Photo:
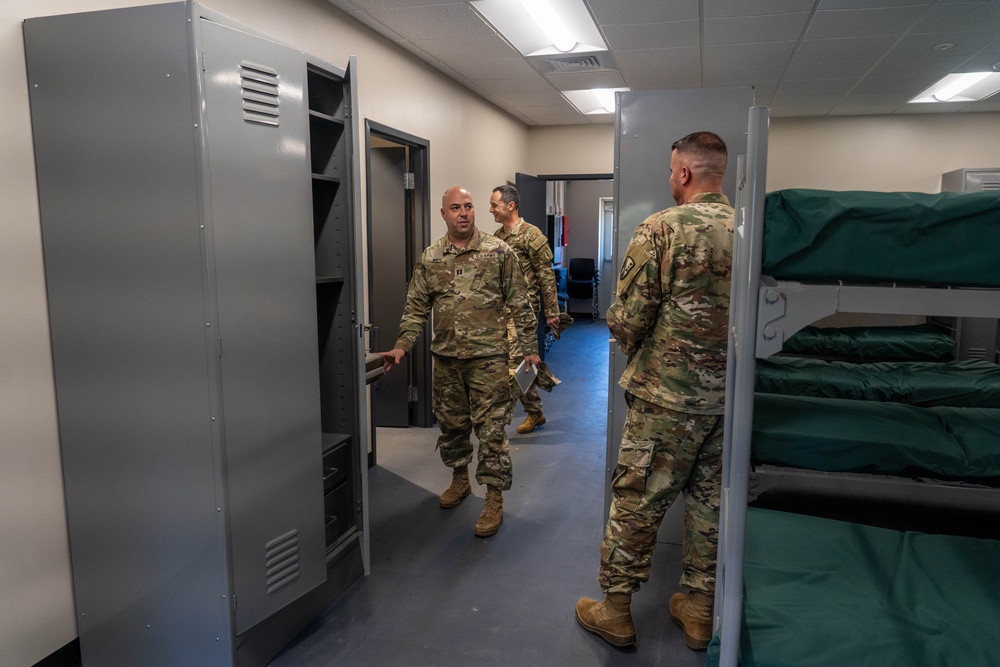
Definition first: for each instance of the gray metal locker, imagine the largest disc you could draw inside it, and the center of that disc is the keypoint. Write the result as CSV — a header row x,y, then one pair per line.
x,y
975,337
196,182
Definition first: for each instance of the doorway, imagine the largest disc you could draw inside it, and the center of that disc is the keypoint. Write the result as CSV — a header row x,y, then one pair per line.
x,y
398,222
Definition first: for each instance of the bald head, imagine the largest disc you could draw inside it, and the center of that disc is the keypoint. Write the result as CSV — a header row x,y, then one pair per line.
x,y
459,215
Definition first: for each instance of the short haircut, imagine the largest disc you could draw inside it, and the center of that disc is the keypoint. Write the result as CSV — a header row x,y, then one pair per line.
x,y
707,150
508,194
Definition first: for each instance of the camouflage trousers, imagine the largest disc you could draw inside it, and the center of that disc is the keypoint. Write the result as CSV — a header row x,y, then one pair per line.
x,y
473,395
663,452
530,399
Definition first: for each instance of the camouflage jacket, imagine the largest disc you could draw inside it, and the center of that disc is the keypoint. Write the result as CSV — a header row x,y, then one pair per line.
x,y
468,290
535,257
671,316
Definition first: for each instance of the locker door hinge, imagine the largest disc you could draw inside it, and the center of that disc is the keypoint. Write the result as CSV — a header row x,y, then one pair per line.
x,y
220,345
409,181
234,601
347,111
411,394
203,67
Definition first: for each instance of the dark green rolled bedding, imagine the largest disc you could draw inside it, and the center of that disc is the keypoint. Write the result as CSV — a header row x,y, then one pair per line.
x,y
824,593
917,342
843,435
969,383
879,237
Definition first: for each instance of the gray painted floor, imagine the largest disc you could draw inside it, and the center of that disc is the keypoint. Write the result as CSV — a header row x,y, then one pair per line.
x,y
439,596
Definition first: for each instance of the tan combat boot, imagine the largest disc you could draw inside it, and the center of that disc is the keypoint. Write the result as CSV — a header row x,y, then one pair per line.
x,y
693,612
458,490
531,422
489,520
611,619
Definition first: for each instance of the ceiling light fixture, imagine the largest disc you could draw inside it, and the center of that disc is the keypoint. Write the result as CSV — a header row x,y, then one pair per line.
x,y
543,27
965,87
550,23
594,100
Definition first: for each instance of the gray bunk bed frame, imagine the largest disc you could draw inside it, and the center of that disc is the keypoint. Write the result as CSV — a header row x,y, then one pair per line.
x,y
764,313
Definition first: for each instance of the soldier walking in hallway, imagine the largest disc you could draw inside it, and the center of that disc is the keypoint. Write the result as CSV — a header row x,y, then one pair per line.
x,y
535,257
472,284
671,319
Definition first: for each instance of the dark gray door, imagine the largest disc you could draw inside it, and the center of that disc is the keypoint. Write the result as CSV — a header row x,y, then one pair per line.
x,y
387,165
260,225
531,192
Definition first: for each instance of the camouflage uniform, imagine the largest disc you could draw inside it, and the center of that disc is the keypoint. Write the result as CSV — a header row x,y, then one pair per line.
x,y
469,291
671,319
535,258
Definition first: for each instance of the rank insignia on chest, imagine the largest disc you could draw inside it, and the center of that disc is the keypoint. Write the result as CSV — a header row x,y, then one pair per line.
x,y
459,272
488,255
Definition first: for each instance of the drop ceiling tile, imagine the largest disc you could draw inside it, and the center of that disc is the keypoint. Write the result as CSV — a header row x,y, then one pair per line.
x,y
844,48
503,87
906,85
653,35
864,22
730,8
377,26
682,58
930,68
542,99
852,69
767,53
617,12
802,105
480,47
862,109
346,5
922,46
442,22
869,4
656,80
989,104
752,29
973,16
562,115
735,74
499,68
815,87
586,80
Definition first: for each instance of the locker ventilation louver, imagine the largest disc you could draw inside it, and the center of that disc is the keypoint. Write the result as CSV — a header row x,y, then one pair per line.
x,y
281,559
259,87
991,185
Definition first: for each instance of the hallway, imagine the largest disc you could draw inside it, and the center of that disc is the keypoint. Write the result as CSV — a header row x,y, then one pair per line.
x,y
439,596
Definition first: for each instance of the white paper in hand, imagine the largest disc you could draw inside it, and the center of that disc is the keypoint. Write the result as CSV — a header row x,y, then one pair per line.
x,y
525,375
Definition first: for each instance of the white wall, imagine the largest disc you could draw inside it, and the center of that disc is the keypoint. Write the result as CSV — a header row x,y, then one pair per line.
x,y
471,143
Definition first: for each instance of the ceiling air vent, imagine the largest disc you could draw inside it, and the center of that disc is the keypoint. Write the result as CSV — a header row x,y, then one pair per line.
x,y
575,63
599,61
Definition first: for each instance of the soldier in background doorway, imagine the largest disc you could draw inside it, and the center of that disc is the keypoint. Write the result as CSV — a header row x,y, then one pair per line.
x,y
473,285
535,257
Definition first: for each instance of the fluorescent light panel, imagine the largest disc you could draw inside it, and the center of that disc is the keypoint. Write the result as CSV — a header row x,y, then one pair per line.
x,y
543,27
966,87
593,101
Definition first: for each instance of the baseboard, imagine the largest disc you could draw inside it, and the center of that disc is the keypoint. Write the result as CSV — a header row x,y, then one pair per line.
x,y
67,656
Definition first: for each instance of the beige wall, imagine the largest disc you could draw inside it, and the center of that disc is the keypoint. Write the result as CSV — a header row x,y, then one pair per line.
x,y
471,143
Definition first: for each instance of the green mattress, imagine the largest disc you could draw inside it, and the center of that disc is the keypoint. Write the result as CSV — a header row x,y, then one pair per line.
x,y
880,237
843,435
825,593
970,383
917,342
